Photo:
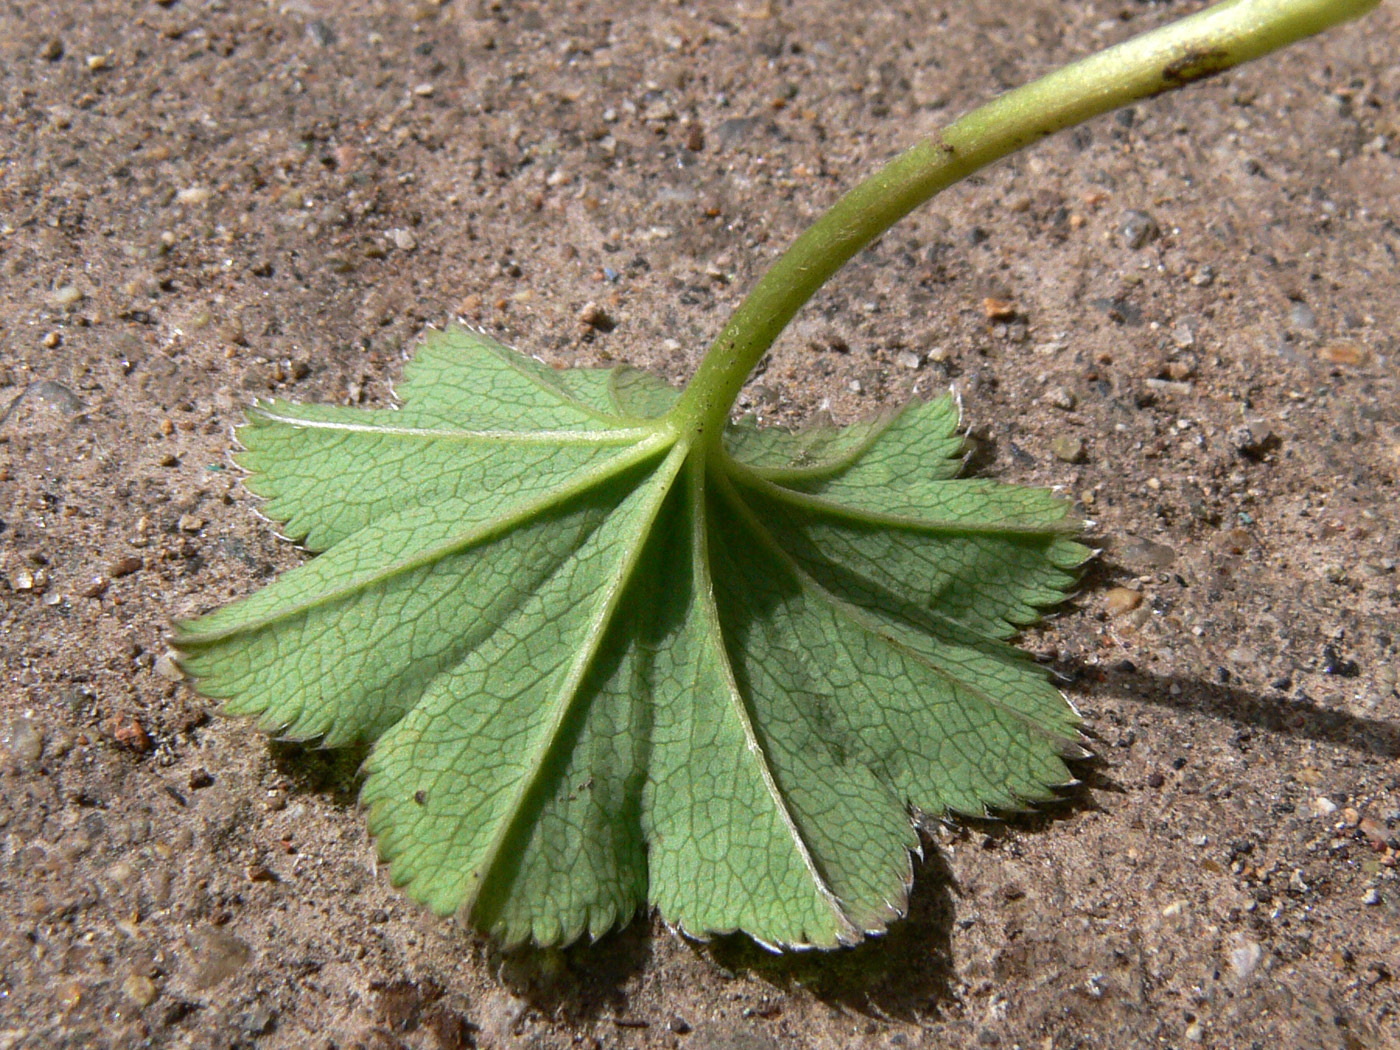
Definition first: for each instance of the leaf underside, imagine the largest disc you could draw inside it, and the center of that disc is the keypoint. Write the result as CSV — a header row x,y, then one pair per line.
x,y
601,668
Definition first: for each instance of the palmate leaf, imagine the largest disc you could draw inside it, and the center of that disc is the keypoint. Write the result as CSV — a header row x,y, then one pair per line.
x,y
602,667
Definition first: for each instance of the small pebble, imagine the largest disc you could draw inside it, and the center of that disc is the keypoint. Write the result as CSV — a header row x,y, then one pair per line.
x,y
1067,449
1183,335
97,63
321,34
736,131
257,1021
998,309
25,742
1372,897
423,90
159,882
96,587
596,317
1333,662
1324,807
1245,957
1167,386
167,667
403,240
124,566
1374,831
27,580
1343,354
218,955
1120,600
1180,369
1253,439
65,296
140,989
1301,316
1060,397
121,872
1194,1032
132,735
52,50
1136,228
908,359
191,523
52,340
192,195
1144,554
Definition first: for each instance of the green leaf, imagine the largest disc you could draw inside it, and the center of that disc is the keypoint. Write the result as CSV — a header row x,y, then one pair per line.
x,y
604,664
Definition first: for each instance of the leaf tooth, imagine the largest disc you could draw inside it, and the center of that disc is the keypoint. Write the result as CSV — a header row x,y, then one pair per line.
x,y
1074,750
601,921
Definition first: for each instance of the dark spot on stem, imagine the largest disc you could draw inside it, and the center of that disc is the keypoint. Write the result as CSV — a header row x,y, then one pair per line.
x,y
1195,65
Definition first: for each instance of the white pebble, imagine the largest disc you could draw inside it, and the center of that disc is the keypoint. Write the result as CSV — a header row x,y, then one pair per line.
x,y
24,742
1245,957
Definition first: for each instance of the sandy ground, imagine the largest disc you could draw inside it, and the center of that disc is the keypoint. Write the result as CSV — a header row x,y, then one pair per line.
x,y
206,201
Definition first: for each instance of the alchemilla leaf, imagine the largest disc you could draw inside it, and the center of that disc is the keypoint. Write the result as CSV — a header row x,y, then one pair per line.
x,y
604,664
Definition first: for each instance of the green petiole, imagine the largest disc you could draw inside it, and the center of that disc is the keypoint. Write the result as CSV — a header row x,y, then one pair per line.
x,y
1164,59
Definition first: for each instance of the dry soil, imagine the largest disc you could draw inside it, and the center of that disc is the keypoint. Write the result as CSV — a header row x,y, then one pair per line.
x,y
1184,314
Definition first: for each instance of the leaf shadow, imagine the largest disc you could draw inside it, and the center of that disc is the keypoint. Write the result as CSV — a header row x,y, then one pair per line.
x,y
1296,716
909,972
905,974
310,769
1275,711
586,981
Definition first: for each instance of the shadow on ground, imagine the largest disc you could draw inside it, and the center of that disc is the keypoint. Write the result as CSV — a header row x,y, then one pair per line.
x,y
1298,715
907,973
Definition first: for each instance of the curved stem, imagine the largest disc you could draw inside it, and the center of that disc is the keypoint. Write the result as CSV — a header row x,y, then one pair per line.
x,y
1155,62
